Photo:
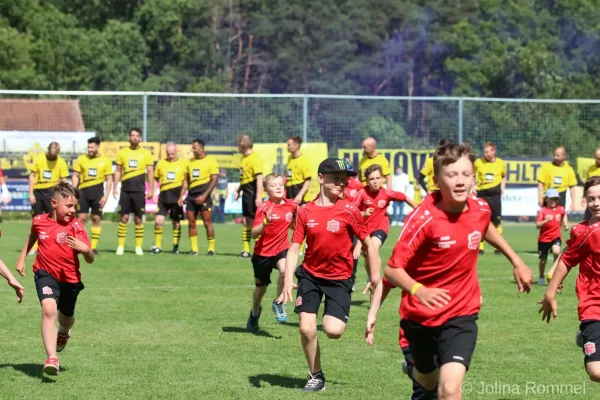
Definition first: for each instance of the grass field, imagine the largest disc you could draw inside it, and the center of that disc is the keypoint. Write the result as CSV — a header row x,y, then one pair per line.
x,y
166,326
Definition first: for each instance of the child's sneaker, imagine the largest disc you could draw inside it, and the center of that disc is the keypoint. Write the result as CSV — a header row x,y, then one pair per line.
x,y
315,383
139,251
51,366
120,251
280,314
541,281
61,341
252,323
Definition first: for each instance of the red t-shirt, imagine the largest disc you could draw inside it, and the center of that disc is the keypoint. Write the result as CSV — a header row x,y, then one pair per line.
x,y
352,188
380,202
274,238
328,232
585,251
54,254
551,230
440,250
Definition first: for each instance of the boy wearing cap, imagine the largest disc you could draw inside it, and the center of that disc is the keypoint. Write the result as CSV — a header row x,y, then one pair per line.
x,y
328,224
548,222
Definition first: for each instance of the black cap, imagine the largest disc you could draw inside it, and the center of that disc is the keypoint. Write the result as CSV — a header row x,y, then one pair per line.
x,y
331,165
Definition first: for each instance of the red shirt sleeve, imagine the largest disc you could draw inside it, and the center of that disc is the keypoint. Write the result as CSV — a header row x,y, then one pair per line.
x,y
299,228
359,198
260,215
398,196
357,223
387,283
413,236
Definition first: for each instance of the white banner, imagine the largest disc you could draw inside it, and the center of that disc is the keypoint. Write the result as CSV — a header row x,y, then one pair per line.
x,y
23,142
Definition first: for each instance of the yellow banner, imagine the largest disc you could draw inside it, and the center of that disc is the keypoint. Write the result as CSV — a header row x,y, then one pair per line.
x,y
110,149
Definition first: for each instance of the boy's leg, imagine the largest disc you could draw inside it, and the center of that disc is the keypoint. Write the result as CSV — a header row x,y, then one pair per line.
x,y
49,334
590,335
310,344
262,278
452,376
423,347
279,309
337,308
418,392
543,249
66,312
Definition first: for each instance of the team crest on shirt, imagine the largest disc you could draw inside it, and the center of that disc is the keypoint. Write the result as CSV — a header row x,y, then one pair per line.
x,y
333,226
289,216
61,238
382,203
589,348
474,239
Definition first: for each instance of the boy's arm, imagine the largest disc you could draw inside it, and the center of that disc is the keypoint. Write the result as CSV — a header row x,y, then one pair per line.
x,y
565,221
12,282
374,262
288,279
20,268
261,221
522,273
548,304
411,203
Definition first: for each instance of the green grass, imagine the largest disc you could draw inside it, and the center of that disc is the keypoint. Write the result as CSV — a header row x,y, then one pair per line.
x,y
165,326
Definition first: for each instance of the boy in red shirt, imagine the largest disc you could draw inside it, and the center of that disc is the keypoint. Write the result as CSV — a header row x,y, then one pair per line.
x,y
328,224
435,263
61,238
271,225
548,222
585,251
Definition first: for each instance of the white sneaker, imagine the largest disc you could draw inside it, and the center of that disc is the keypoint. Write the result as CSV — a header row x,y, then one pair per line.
x,y
542,281
139,251
394,223
400,223
120,251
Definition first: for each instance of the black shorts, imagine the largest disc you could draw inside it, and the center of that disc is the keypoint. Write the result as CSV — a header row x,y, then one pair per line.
x,y
292,191
495,202
42,201
311,290
418,392
545,247
190,203
65,294
432,347
263,266
132,202
563,198
249,200
379,234
90,199
590,334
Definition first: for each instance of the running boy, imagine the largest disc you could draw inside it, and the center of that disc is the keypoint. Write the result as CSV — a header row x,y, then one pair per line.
x,y
328,224
271,225
548,222
434,262
583,251
56,268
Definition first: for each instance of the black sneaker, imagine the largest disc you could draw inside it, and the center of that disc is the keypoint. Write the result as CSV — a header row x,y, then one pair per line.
x,y
252,324
210,253
315,383
481,252
497,252
96,252
156,250
244,254
175,250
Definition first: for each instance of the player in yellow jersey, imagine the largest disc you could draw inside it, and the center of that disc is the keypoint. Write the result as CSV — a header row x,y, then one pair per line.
x,y
490,180
251,183
426,174
370,157
91,171
593,170
200,181
133,163
298,172
558,175
47,171
170,174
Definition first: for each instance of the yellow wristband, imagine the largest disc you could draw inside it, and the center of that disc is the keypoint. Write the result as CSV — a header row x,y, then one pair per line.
x,y
415,288
549,276
265,222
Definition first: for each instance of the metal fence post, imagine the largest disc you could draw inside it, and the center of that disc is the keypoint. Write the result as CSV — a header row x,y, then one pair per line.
x,y
305,118
460,120
145,118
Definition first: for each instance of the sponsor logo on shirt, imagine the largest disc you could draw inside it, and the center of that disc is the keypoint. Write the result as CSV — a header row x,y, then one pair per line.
x,y
289,216
92,172
333,226
474,239
589,348
170,176
275,217
133,163
61,238
195,173
445,242
557,180
312,223
489,177
289,174
47,174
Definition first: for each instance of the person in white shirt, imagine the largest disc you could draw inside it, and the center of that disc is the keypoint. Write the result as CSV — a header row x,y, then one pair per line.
x,y
400,183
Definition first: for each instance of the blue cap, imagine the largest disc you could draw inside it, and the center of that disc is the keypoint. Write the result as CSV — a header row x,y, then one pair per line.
x,y
552,193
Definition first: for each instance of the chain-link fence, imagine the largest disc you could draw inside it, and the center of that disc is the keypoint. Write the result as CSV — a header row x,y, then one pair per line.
x,y
520,128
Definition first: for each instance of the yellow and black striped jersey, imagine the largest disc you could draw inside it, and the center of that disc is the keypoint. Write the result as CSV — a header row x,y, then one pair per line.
x,y
48,172
133,168
365,162
250,166
170,174
489,175
200,170
92,171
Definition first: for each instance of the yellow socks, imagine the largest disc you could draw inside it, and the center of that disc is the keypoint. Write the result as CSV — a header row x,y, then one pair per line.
x,y
121,234
95,236
246,236
499,228
176,236
194,243
139,236
211,244
158,234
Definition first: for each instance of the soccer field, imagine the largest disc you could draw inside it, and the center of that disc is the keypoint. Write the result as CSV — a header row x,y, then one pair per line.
x,y
166,326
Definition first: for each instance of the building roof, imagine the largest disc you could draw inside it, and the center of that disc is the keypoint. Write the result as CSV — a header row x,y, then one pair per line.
x,y
40,115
